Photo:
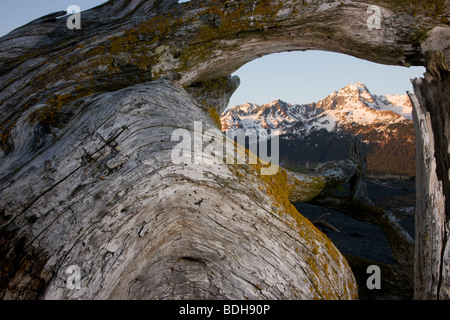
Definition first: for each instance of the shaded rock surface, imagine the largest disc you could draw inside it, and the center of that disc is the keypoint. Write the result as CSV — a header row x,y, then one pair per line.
x,y
355,238
364,244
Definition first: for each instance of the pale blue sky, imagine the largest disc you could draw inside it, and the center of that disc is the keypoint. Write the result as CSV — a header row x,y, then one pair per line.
x,y
295,77
16,13
304,77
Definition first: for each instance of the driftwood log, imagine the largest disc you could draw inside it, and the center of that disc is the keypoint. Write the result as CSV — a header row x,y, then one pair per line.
x,y
432,124
86,176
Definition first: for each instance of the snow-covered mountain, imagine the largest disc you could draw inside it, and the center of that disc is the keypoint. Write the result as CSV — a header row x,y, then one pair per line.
x,y
321,131
352,105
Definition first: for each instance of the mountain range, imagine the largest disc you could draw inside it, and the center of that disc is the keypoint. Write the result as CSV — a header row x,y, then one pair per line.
x,y
318,132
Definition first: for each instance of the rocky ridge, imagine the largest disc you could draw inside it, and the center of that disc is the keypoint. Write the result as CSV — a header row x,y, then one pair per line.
x,y
347,107
322,131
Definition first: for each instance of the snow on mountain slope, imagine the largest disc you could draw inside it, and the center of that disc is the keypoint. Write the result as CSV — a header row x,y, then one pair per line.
x,y
400,104
322,131
350,106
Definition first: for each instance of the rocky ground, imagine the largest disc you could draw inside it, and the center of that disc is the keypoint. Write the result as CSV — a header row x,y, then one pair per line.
x,y
364,240
396,196
355,237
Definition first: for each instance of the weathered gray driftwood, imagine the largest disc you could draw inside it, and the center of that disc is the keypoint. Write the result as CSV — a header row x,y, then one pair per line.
x,y
86,176
431,111
105,196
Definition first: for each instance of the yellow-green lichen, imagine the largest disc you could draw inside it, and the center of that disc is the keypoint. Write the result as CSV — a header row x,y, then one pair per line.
x,y
215,116
48,115
278,187
306,189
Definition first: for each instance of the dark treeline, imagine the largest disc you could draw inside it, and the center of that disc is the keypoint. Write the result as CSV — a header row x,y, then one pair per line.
x,y
389,151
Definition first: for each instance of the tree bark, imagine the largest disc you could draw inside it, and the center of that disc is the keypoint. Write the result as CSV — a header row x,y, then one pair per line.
x,y
431,111
107,197
85,171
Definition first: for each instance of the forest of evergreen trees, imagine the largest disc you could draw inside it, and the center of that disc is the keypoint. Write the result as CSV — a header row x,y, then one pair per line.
x,y
390,151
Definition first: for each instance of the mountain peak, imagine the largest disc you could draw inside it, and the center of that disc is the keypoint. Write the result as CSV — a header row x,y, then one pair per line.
x,y
361,85
347,107
277,101
357,87
319,132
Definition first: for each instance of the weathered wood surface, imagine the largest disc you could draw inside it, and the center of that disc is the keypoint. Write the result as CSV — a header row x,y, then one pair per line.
x,y
85,171
431,111
105,196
